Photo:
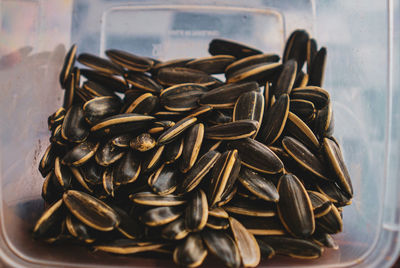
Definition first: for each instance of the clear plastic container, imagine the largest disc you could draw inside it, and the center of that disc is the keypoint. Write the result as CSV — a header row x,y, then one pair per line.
x,y
362,38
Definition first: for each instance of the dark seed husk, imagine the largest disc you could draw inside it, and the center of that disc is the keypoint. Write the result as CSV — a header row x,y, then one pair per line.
x,y
286,79
93,89
99,64
324,239
56,118
304,109
63,177
296,48
225,96
218,213
101,107
78,229
246,243
201,111
175,230
229,47
92,172
331,222
128,246
260,73
90,210
143,143
182,97
259,186
263,225
217,223
312,48
304,157
267,252
249,61
173,150
170,76
69,62
294,247
239,129
222,246
196,214
250,106
324,122
211,65
217,117
164,180
152,199
334,193
78,174
127,170
198,171
317,68
121,124
316,95
247,207
301,80
294,207
257,156
173,132
160,216
108,181
80,154
47,224
50,193
111,82
143,104
46,163
193,141
170,63
275,120
152,159
320,203
191,252
74,127
299,130
56,137
143,82
129,227
122,141
335,159
224,175
108,154
129,61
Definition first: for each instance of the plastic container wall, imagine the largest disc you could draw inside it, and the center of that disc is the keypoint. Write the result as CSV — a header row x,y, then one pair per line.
x,y
362,38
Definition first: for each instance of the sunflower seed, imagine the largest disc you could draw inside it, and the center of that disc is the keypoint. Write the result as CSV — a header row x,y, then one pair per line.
x,y
222,246
164,180
108,154
143,82
193,141
294,247
69,62
225,172
175,230
249,61
90,210
250,106
80,154
229,47
99,64
257,156
101,107
259,186
173,132
151,199
170,76
294,207
46,226
246,242
127,170
74,127
143,143
160,216
129,61
239,129
190,253
211,65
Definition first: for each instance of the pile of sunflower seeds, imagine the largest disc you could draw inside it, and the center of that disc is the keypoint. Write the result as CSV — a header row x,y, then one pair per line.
x,y
164,157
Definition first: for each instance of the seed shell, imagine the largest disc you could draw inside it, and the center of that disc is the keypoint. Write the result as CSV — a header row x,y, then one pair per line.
x,y
90,210
294,207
